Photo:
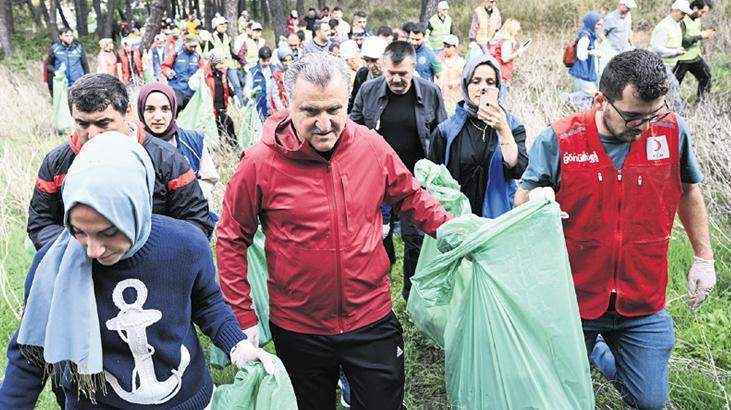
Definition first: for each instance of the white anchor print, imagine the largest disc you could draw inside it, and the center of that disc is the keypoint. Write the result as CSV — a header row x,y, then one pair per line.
x,y
130,324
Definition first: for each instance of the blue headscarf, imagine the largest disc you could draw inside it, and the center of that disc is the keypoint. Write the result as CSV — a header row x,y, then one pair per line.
x,y
114,175
590,20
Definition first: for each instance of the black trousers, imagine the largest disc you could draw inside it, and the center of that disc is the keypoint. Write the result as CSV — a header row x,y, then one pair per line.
x,y
412,237
372,358
700,70
226,128
182,99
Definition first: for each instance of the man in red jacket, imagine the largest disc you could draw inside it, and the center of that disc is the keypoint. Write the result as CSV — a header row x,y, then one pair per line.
x,y
315,182
622,171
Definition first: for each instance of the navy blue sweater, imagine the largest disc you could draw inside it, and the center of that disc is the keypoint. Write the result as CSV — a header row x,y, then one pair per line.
x,y
176,268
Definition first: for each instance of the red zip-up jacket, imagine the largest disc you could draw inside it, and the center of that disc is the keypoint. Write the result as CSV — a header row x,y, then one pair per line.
x,y
328,270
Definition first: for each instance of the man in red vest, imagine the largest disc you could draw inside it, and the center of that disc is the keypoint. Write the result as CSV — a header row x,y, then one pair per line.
x,y
622,171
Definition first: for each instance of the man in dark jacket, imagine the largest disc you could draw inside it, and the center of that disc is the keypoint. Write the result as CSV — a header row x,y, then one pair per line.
x,y
66,54
404,110
99,103
180,66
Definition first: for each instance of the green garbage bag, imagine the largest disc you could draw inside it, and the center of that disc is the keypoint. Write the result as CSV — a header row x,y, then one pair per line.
x,y
62,120
514,338
254,389
198,114
250,130
258,274
431,320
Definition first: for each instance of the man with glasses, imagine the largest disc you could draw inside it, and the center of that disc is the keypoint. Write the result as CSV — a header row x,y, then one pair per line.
x,y
622,171
179,67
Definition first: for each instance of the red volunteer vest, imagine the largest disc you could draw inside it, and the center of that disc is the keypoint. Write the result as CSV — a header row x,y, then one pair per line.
x,y
506,68
619,224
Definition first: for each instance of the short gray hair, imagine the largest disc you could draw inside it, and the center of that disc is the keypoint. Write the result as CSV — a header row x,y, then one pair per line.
x,y
316,68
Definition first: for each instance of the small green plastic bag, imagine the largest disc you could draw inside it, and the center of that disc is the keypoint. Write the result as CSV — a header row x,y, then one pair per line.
x,y
62,120
198,115
254,389
250,130
257,275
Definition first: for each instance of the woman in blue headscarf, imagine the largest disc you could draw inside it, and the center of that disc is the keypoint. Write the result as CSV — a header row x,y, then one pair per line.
x,y
112,301
584,71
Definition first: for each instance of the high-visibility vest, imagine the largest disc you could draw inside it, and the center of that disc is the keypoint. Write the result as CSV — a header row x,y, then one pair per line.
x,y
692,28
439,30
488,25
223,48
674,39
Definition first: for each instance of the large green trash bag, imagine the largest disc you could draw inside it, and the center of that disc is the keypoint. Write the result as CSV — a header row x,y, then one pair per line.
x,y
254,389
258,273
514,338
198,114
431,320
62,120
250,130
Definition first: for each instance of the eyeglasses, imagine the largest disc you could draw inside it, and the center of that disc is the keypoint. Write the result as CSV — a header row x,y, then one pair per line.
x,y
369,60
631,121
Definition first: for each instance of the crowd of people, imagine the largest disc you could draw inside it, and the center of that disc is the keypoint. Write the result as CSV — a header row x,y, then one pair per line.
x,y
348,112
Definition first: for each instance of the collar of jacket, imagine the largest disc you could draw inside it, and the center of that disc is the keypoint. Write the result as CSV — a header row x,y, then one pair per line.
x,y
416,82
278,133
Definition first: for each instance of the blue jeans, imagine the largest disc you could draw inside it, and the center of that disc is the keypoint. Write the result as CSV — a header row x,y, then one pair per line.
x,y
633,353
233,78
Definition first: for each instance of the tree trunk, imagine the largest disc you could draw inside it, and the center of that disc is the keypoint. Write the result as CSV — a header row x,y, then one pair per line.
x,y
279,19
82,17
4,32
321,4
255,12
63,16
265,12
153,22
172,7
208,12
128,11
97,4
197,7
34,12
9,19
428,9
231,13
300,8
109,20
50,19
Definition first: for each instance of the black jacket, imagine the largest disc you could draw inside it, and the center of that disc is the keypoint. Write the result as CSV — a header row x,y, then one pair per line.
x,y
372,99
176,195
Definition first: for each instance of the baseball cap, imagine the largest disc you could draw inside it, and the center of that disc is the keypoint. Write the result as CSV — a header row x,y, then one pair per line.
x,y
451,39
256,26
359,33
443,5
373,47
219,21
191,39
161,37
348,49
683,6
629,3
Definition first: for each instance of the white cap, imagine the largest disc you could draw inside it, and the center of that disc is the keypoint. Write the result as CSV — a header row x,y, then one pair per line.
x,y
373,47
161,37
348,49
683,6
217,21
443,5
451,39
294,13
629,3
256,26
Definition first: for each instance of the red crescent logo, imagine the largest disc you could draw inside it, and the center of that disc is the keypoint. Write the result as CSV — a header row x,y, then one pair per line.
x,y
658,145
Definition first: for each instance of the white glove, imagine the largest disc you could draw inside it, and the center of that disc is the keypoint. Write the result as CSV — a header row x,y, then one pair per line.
x,y
252,334
542,194
244,352
172,74
196,80
701,280
385,230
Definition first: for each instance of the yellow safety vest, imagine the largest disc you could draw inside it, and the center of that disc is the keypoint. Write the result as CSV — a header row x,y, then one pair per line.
x,y
692,28
488,25
674,39
439,30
